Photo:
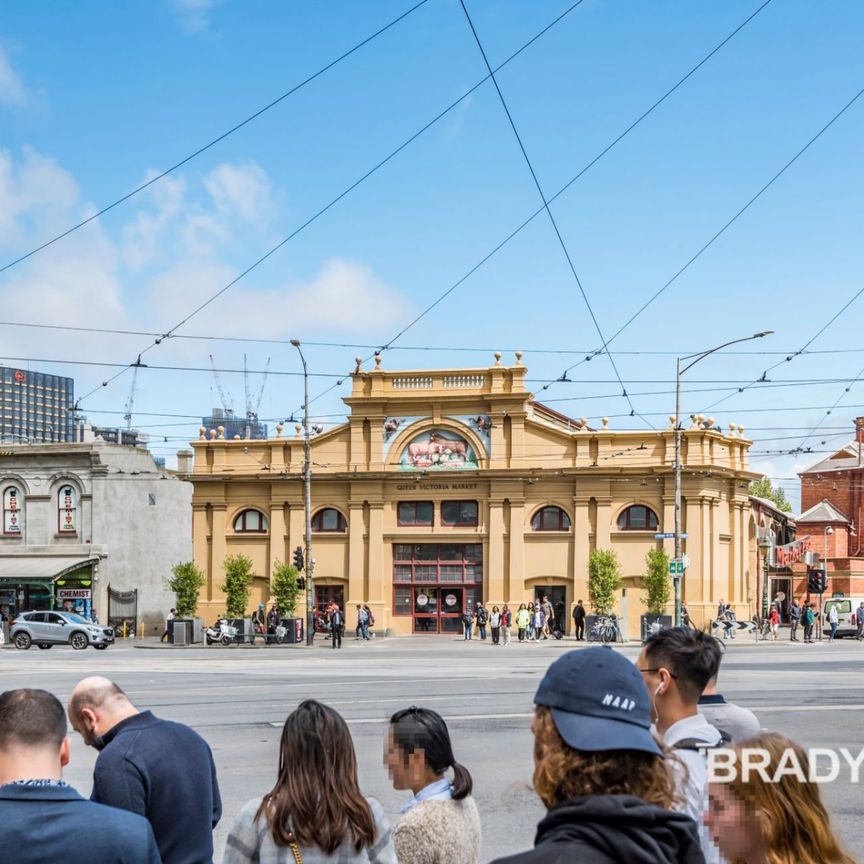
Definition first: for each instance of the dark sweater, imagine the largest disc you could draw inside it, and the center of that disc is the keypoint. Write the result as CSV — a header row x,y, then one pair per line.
x,y
164,771
612,829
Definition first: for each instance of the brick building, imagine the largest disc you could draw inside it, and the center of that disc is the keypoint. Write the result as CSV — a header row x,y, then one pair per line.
x,y
832,507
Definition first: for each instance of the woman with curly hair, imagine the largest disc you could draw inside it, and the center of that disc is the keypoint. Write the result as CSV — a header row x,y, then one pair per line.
x,y
600,772
315,812
754,821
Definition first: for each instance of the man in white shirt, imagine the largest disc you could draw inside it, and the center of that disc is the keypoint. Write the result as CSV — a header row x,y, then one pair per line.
x,y
677,665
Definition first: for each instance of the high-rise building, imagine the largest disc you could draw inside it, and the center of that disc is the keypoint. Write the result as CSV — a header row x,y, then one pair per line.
x,y
35,407
235,425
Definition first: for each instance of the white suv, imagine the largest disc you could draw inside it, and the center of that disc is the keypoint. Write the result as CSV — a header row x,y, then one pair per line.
x,y
58,628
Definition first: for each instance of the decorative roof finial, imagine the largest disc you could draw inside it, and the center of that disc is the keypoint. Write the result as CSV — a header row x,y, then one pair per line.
x,y
518,358
497,358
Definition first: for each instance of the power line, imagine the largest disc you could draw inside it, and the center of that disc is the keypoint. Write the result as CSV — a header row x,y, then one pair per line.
x,y
543,198
216,140
587,167
722,231
332,203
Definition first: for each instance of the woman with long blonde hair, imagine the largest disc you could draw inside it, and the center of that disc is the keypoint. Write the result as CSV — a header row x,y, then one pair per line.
x,y
754,821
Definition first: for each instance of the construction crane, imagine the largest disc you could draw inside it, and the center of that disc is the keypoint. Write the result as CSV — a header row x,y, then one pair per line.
x,y
229,410
252,405
130,402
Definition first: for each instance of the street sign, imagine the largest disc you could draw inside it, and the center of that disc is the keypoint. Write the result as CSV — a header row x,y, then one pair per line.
x,y
669,535
676,567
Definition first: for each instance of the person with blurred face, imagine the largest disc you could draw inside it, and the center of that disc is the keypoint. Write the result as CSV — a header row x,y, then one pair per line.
x,y
757,822
440,823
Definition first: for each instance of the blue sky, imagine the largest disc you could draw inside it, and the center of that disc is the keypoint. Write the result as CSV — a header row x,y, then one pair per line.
x,y
95,98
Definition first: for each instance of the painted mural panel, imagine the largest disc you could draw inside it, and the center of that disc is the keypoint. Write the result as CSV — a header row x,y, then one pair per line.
x,y
438,449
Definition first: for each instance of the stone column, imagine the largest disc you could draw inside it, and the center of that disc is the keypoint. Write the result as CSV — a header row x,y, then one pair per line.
x,y
515,588
356,556
494,587
219,548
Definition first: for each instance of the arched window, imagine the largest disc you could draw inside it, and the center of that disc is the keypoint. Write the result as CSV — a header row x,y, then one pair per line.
x,y
550,519
13,509
67,509
328,519
251,522
637,518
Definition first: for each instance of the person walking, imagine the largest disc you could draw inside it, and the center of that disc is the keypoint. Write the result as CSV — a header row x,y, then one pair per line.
x,y
358,630
773,815
506,623
467,624
40,812
440,824
579,622
172,614
315,812
833,621
685,618
523,618
794,621
859,622
495,625
336,620
482,615
598,770
156,768
809,617
370,621
548,616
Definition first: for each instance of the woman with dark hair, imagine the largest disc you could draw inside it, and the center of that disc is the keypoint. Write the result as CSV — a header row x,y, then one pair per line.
x,y
440,824
315,812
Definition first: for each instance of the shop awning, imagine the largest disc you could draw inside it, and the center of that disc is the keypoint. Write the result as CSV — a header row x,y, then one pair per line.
x,y
23,569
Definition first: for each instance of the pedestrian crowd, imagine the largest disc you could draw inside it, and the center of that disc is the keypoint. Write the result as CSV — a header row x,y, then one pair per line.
x,y
621,756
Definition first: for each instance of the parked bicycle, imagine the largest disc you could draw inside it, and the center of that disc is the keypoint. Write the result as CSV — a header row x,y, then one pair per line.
x,y
605,629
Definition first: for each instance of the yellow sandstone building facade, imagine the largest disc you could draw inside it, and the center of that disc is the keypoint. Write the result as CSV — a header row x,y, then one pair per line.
x,y
446,488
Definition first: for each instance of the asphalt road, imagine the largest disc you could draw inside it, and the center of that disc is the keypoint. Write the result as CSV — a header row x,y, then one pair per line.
x,y
238,698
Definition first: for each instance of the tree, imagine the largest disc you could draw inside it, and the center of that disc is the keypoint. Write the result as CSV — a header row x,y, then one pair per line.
x,y
604,580
656,582
284,588
186,583
237,585
762,488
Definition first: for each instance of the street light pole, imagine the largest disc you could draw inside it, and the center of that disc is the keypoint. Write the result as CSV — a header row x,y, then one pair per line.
x,y
679,371
307,501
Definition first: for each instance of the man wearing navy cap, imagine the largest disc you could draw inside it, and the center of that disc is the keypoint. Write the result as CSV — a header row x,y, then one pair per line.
x,y
600,772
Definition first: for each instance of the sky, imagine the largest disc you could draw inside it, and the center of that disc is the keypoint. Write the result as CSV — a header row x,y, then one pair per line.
x,y
98,98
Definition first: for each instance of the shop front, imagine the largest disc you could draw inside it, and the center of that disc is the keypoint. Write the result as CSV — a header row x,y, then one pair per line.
x,y
37,583
435,583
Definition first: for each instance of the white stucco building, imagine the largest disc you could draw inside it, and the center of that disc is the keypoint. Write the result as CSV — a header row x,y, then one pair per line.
x,y
80,518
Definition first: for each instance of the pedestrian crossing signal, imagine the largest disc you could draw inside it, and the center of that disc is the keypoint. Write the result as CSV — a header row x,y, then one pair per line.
x,y
298,557
817,581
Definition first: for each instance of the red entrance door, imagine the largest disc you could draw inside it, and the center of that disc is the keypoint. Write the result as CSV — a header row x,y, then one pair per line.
x,y
324,596
438,610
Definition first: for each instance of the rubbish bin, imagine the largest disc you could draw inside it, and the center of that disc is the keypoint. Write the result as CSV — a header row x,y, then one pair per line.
x,y
181,632
293,630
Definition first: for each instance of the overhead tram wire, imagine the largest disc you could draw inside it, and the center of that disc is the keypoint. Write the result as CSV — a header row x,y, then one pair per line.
x,y
719,233
549,213
615,141
333,202
789,358
216,140
253,340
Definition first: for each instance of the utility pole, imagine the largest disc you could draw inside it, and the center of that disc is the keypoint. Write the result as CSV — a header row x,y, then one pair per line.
x,y
679,371
307,501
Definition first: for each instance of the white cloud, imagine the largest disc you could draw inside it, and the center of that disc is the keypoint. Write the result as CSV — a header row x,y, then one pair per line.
x,y
12,90
141,238
194,15
243,190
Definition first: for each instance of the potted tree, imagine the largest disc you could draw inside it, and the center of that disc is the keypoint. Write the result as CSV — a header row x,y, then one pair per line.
x,y
186,582
658,590
285,590
604,582
238,588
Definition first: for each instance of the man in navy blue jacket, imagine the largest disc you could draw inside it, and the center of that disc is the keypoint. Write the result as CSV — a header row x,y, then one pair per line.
x,y
157,768
44,819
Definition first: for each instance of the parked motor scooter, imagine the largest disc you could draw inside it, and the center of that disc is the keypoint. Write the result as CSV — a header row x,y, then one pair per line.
x,y
221,631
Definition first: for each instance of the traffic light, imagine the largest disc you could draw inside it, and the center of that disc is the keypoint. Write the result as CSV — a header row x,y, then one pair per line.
x,y
301,583
817,581
298,557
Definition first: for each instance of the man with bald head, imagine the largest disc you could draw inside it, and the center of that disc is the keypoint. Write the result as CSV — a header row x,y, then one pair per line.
x,y
157,768
39,812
